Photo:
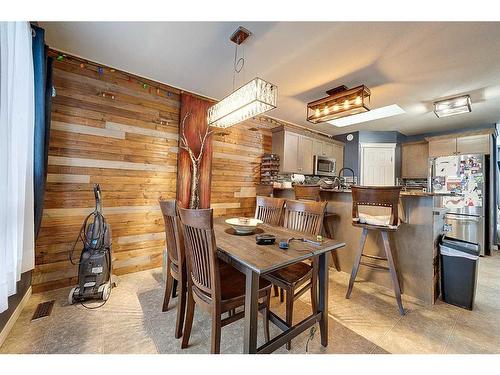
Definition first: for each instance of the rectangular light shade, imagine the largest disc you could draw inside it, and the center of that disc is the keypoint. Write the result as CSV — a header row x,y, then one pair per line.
x,y
453,106
341,104
374,114
251,99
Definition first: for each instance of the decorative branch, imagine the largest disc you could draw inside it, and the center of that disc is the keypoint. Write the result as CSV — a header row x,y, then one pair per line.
x,y
194,201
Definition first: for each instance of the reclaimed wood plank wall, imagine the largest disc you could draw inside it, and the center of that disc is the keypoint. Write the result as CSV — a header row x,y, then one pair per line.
x,y
237,153
127,141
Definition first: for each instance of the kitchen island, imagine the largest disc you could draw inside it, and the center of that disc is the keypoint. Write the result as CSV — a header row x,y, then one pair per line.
x,y
415,243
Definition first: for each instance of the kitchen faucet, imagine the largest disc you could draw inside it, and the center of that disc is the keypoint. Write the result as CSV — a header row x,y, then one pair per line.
x,y
342,179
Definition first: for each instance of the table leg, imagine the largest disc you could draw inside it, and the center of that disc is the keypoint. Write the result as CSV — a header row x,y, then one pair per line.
x,y
251,311
323,298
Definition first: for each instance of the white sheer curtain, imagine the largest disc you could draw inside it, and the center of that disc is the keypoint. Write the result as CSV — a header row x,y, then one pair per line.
x,y
16,156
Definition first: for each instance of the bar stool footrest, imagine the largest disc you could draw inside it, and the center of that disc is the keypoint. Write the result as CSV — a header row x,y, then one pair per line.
x,y
374,257
374,266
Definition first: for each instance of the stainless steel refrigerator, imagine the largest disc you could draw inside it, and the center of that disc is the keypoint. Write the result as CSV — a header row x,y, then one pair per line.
x,y
466,176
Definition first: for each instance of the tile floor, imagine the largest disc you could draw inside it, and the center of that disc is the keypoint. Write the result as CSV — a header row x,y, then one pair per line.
x,y
132,322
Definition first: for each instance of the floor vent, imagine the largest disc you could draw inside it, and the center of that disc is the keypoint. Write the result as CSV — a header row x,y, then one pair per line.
x,y
43,309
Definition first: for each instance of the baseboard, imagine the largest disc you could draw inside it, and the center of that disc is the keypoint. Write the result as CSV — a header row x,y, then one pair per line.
x,y
15,315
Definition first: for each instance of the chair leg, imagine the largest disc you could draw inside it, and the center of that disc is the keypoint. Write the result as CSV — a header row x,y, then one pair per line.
x,y
189,318
181,309
276,291
357,260
168,289
265,316
289,313
392,270
216,331
282,295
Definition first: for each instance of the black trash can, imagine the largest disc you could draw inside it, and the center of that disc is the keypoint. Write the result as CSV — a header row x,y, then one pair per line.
x,y
459,260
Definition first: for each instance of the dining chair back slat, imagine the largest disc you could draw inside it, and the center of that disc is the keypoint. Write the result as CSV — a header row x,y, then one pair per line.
x,y
269,210
174,240
201,250
304,217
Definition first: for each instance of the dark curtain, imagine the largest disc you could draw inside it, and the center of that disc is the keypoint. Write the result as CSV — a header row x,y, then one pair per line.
x,y
42,66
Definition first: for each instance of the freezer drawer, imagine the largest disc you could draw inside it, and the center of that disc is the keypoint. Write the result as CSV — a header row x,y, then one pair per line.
x,y
466,227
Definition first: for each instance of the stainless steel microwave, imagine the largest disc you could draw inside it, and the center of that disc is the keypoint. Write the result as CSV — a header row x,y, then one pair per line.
x,y
324,166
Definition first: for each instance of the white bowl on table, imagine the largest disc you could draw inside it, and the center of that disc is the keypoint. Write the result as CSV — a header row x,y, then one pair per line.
x,y
243,225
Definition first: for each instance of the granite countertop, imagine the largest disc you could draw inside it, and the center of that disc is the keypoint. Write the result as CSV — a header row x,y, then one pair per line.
x,y
410,193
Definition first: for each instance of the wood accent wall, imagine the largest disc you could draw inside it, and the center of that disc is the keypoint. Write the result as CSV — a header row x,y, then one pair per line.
x,y
127,141
237,153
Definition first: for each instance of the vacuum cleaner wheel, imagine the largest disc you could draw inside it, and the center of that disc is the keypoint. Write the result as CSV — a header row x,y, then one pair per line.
x,y
105,290
72,292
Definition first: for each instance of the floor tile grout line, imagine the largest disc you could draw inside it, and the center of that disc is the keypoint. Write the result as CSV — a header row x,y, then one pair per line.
x,y
448,339
387,332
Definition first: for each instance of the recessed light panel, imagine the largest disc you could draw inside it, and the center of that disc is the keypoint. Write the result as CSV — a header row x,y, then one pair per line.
x,y
453,106
374,114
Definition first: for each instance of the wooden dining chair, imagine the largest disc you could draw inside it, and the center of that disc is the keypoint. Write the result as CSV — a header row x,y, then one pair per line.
x,y
269,210
215,286
296,279
176,266
312,193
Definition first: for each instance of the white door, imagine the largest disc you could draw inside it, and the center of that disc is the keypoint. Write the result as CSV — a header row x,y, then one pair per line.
x,y
378,164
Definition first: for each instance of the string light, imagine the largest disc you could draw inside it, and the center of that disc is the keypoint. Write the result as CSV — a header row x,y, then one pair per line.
x,y
100,72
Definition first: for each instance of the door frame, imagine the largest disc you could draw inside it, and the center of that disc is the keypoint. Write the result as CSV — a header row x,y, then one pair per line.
x,y
364,146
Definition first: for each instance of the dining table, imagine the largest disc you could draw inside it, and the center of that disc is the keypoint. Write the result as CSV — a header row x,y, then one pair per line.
x,y
255,260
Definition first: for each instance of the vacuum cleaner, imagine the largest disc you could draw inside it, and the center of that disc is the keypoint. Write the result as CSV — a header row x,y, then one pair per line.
x,y
94,267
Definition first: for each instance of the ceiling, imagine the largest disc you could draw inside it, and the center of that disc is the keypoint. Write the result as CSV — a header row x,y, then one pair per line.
x,y
410,64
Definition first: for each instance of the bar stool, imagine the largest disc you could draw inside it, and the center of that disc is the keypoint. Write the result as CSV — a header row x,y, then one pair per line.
x,y
264,190
381,196
312,193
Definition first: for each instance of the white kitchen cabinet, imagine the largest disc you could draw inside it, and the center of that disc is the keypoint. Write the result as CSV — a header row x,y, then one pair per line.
x,y
317,147
296,151
305,155
291,147
328,150
338,155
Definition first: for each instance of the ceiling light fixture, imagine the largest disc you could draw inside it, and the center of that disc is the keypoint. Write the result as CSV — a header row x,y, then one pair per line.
x,y
374,114
453,106
340,102
253,98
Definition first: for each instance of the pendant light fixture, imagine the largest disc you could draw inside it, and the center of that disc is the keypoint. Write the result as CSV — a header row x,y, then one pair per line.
x,y
253,98
340,102
453,106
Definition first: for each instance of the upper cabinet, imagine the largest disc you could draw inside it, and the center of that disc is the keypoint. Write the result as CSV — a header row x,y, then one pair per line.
x,y
474,144
460,144
414,158
442,147
296,151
